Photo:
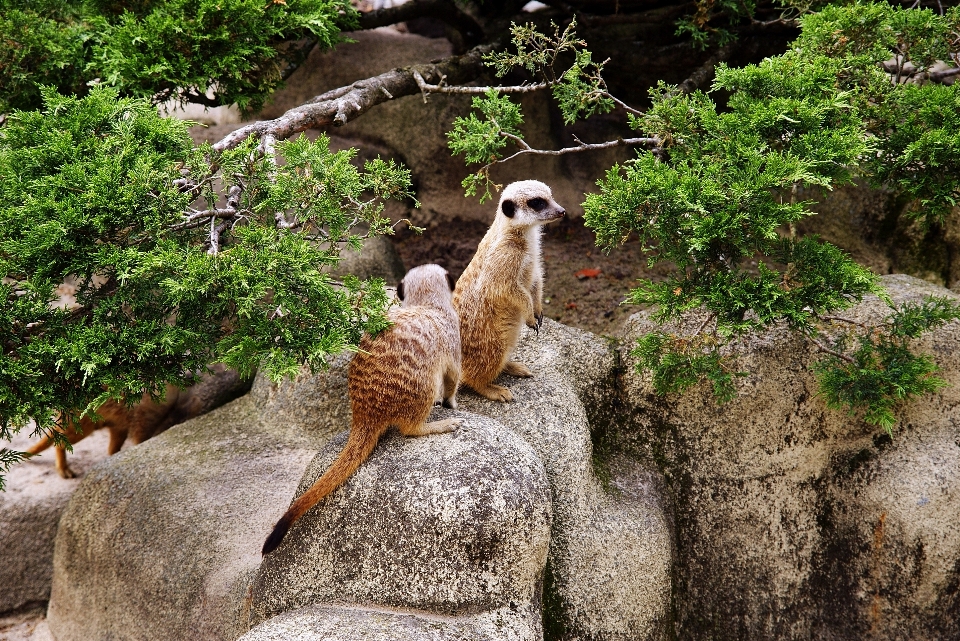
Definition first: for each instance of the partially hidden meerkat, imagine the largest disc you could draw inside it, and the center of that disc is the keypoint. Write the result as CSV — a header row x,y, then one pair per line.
x,y
502,287
147,418
394,380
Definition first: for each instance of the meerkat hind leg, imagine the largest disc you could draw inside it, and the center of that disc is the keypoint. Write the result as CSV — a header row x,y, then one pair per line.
x,y
516,368
451,381
61,464
434,427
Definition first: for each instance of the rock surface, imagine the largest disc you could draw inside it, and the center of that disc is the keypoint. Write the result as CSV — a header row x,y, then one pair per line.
x,y
377,259
453,524
160,542
30,509
340,623
798,522
611,555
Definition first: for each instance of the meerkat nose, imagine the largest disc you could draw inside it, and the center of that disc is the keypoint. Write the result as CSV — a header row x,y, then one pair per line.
x,y
563,212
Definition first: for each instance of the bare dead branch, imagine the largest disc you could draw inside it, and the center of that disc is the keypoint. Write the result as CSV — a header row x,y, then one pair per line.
x,y
440,87
341,105
704,72
201,217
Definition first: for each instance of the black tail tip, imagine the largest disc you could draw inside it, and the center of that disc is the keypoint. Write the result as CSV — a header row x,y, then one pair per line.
x,y
276,537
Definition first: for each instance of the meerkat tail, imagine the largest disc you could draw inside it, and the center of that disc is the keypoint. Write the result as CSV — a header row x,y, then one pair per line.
x,y
355,452
40,445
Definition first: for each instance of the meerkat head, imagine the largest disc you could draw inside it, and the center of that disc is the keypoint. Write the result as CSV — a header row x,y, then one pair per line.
x,y
426,285
529,202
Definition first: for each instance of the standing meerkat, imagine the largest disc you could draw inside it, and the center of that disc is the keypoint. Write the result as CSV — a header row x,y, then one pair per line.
x,y
147,418
502,287
395,379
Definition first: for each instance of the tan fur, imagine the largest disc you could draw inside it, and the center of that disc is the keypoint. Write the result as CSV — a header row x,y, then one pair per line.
x,y
394,380
502,288
148,418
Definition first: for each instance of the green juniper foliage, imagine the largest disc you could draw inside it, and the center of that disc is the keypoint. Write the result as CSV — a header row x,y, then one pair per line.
x,y
716,197
103,192
237,50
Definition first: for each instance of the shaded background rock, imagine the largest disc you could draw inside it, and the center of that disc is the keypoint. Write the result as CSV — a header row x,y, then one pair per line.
x,y
798,522
452,524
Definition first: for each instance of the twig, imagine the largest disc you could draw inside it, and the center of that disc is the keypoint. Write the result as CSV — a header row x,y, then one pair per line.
x,y
824,348
627,107
440,87
705,322
619,142
843,319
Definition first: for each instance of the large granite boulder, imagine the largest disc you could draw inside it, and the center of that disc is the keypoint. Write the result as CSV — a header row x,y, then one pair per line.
x,y
608,573
798,522
30,509
161,541
453,524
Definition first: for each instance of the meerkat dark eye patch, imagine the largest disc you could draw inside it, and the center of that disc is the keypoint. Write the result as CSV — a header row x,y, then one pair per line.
x,y
537,204
450,281
400,290
509,208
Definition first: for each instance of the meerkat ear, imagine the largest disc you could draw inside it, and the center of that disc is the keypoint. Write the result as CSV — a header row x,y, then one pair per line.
x,y
400,290
509,208
451,282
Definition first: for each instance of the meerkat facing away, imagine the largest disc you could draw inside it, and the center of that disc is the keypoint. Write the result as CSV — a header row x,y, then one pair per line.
x,y
148,418
502,287
394,380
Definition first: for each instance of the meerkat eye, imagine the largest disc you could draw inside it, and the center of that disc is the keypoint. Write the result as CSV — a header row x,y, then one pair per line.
x,y
509,208
537,204
400,290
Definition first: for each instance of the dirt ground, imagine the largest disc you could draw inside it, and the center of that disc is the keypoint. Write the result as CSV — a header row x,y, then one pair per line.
x,y
589,302
27,626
